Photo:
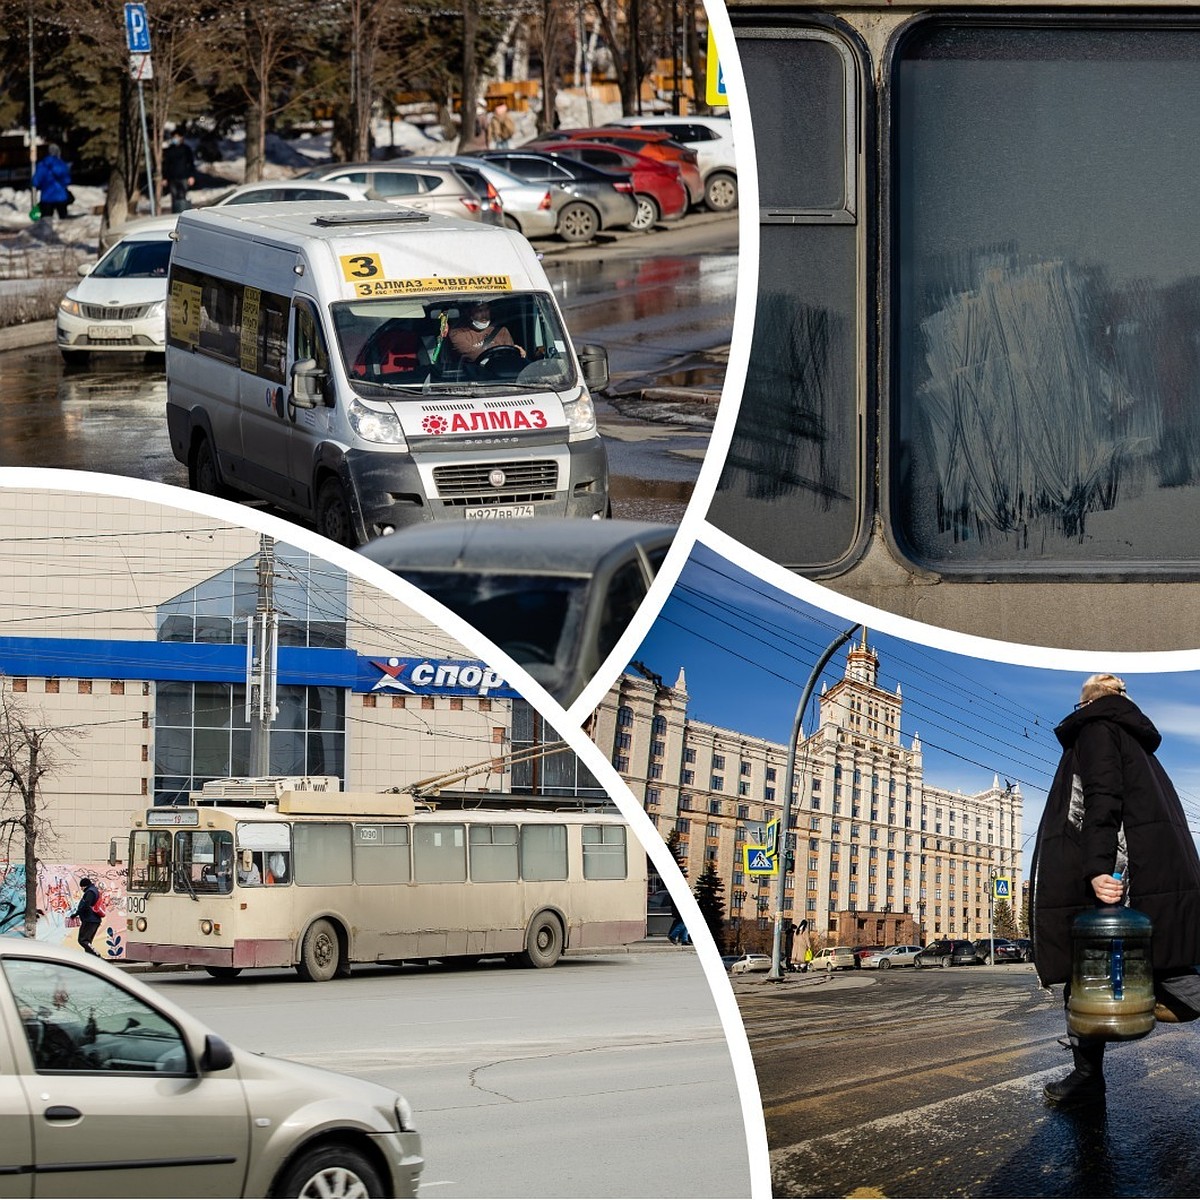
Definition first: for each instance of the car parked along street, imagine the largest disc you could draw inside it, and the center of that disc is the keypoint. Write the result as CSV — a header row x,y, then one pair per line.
x,y
892,956
999,950
831,958
947,952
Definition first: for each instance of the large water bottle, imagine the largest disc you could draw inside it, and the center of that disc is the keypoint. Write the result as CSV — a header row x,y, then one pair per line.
x,y
1112,976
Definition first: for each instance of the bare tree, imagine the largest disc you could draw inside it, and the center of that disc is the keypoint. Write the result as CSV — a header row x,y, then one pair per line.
x,y
30,750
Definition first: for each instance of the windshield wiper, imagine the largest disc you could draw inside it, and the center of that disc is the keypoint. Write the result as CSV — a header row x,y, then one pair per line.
x,y
180,873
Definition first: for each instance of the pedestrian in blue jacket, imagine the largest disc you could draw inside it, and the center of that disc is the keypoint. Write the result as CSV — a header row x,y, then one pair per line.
x,y
53,180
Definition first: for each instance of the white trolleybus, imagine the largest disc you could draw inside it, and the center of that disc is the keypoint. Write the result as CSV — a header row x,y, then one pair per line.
x,y
295,873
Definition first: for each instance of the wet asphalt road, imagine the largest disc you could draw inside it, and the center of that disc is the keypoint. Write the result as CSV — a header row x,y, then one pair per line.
x,y
928,1083
661,303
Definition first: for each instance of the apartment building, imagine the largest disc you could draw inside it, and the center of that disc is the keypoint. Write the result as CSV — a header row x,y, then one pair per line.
x,y
875,853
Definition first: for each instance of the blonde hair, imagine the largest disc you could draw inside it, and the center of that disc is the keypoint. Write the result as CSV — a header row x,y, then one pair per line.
x,y
1096,686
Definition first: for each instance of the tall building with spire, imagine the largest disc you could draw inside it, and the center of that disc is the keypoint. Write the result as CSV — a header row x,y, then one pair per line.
x,y
875,854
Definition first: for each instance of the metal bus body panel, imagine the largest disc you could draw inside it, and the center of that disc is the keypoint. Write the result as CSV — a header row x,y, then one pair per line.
x,y
269,446
265,924
1075,587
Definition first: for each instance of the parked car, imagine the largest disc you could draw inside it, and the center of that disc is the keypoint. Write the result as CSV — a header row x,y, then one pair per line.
x,y
426,188
652,142
600,199
727,960
893,956
1026,948
530,208
120,304
947,952
658,188
116,1090
834,957
750,962
712,140
268,192
860,952
1000,950
555,593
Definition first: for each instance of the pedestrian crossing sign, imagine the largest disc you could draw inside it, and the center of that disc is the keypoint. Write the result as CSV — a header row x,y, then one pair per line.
x,y
1001,888
758,860
714,76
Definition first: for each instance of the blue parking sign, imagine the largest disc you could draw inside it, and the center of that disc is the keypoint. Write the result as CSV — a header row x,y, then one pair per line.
x,y
137,29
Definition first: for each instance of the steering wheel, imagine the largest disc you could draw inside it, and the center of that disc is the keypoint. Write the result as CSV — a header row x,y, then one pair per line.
x,y
499,356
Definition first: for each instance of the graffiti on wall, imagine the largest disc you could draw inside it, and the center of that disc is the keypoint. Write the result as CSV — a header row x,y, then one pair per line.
x,y
58,892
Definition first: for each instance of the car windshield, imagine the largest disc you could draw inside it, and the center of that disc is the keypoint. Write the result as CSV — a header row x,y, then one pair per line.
x,y
454,343
135,260
534,618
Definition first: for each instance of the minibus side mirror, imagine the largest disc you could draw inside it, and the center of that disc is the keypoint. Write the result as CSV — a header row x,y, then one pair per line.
x,y
593,362
308,383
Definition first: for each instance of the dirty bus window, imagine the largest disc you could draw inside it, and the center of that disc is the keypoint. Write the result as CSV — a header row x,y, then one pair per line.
x,y
790,488
1046,294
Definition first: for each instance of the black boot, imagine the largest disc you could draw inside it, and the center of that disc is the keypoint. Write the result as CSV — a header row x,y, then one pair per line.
x,y
1085,1084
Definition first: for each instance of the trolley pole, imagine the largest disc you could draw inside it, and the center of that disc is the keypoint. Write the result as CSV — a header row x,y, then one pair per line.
x,y
262,653
785,815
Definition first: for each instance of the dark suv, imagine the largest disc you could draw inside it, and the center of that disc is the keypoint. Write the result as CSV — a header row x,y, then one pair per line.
x,y
1001,950
946,953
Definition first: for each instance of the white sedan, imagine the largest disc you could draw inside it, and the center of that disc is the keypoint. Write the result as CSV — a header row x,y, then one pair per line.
x,y
751,962
893,956
120,304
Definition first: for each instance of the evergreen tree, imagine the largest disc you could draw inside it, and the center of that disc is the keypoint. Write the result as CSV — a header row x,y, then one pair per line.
x,y
1003,921
673,844
709,891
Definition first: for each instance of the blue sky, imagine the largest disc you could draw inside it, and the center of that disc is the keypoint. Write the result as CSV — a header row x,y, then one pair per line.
x,y
747,649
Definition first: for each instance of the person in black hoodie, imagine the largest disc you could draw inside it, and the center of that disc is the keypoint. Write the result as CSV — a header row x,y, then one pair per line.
x,y
1111,808
89,919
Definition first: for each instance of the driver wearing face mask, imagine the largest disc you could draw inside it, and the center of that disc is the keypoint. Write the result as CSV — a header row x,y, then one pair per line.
x,y
474,334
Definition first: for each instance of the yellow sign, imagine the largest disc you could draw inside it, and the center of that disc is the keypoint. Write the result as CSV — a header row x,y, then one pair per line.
x,y
251,301
1002,888
714,76
756,860
356,267
418,287
183,312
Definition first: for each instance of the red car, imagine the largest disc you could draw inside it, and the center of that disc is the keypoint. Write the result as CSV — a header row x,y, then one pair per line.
x,y
658,188
653,143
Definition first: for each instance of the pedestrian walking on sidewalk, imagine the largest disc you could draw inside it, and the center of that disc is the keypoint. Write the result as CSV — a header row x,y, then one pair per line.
x,y
179,171
89,914
52,181
1112,809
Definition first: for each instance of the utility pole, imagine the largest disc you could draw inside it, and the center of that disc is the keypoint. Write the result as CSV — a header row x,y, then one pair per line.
x,y
32,116
785,813
262,653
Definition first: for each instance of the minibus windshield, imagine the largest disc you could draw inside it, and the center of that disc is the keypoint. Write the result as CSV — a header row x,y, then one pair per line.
x,y
445,343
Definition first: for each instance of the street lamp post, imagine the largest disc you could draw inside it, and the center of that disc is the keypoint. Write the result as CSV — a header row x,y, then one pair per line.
x,y
785,813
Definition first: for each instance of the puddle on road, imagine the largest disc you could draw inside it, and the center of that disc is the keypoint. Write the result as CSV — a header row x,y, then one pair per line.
x,y
655,500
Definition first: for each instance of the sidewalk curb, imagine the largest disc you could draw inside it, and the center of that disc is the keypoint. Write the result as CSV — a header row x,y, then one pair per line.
x,y
22,337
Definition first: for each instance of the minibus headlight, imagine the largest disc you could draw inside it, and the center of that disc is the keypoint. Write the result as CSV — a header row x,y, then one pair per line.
x,y
70,307
373,426
157,310
581,415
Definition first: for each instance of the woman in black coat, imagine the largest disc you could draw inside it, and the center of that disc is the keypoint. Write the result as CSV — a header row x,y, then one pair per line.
x,y
1112,808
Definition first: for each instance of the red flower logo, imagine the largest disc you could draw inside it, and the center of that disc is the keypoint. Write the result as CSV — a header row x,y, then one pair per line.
x,y
434,424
